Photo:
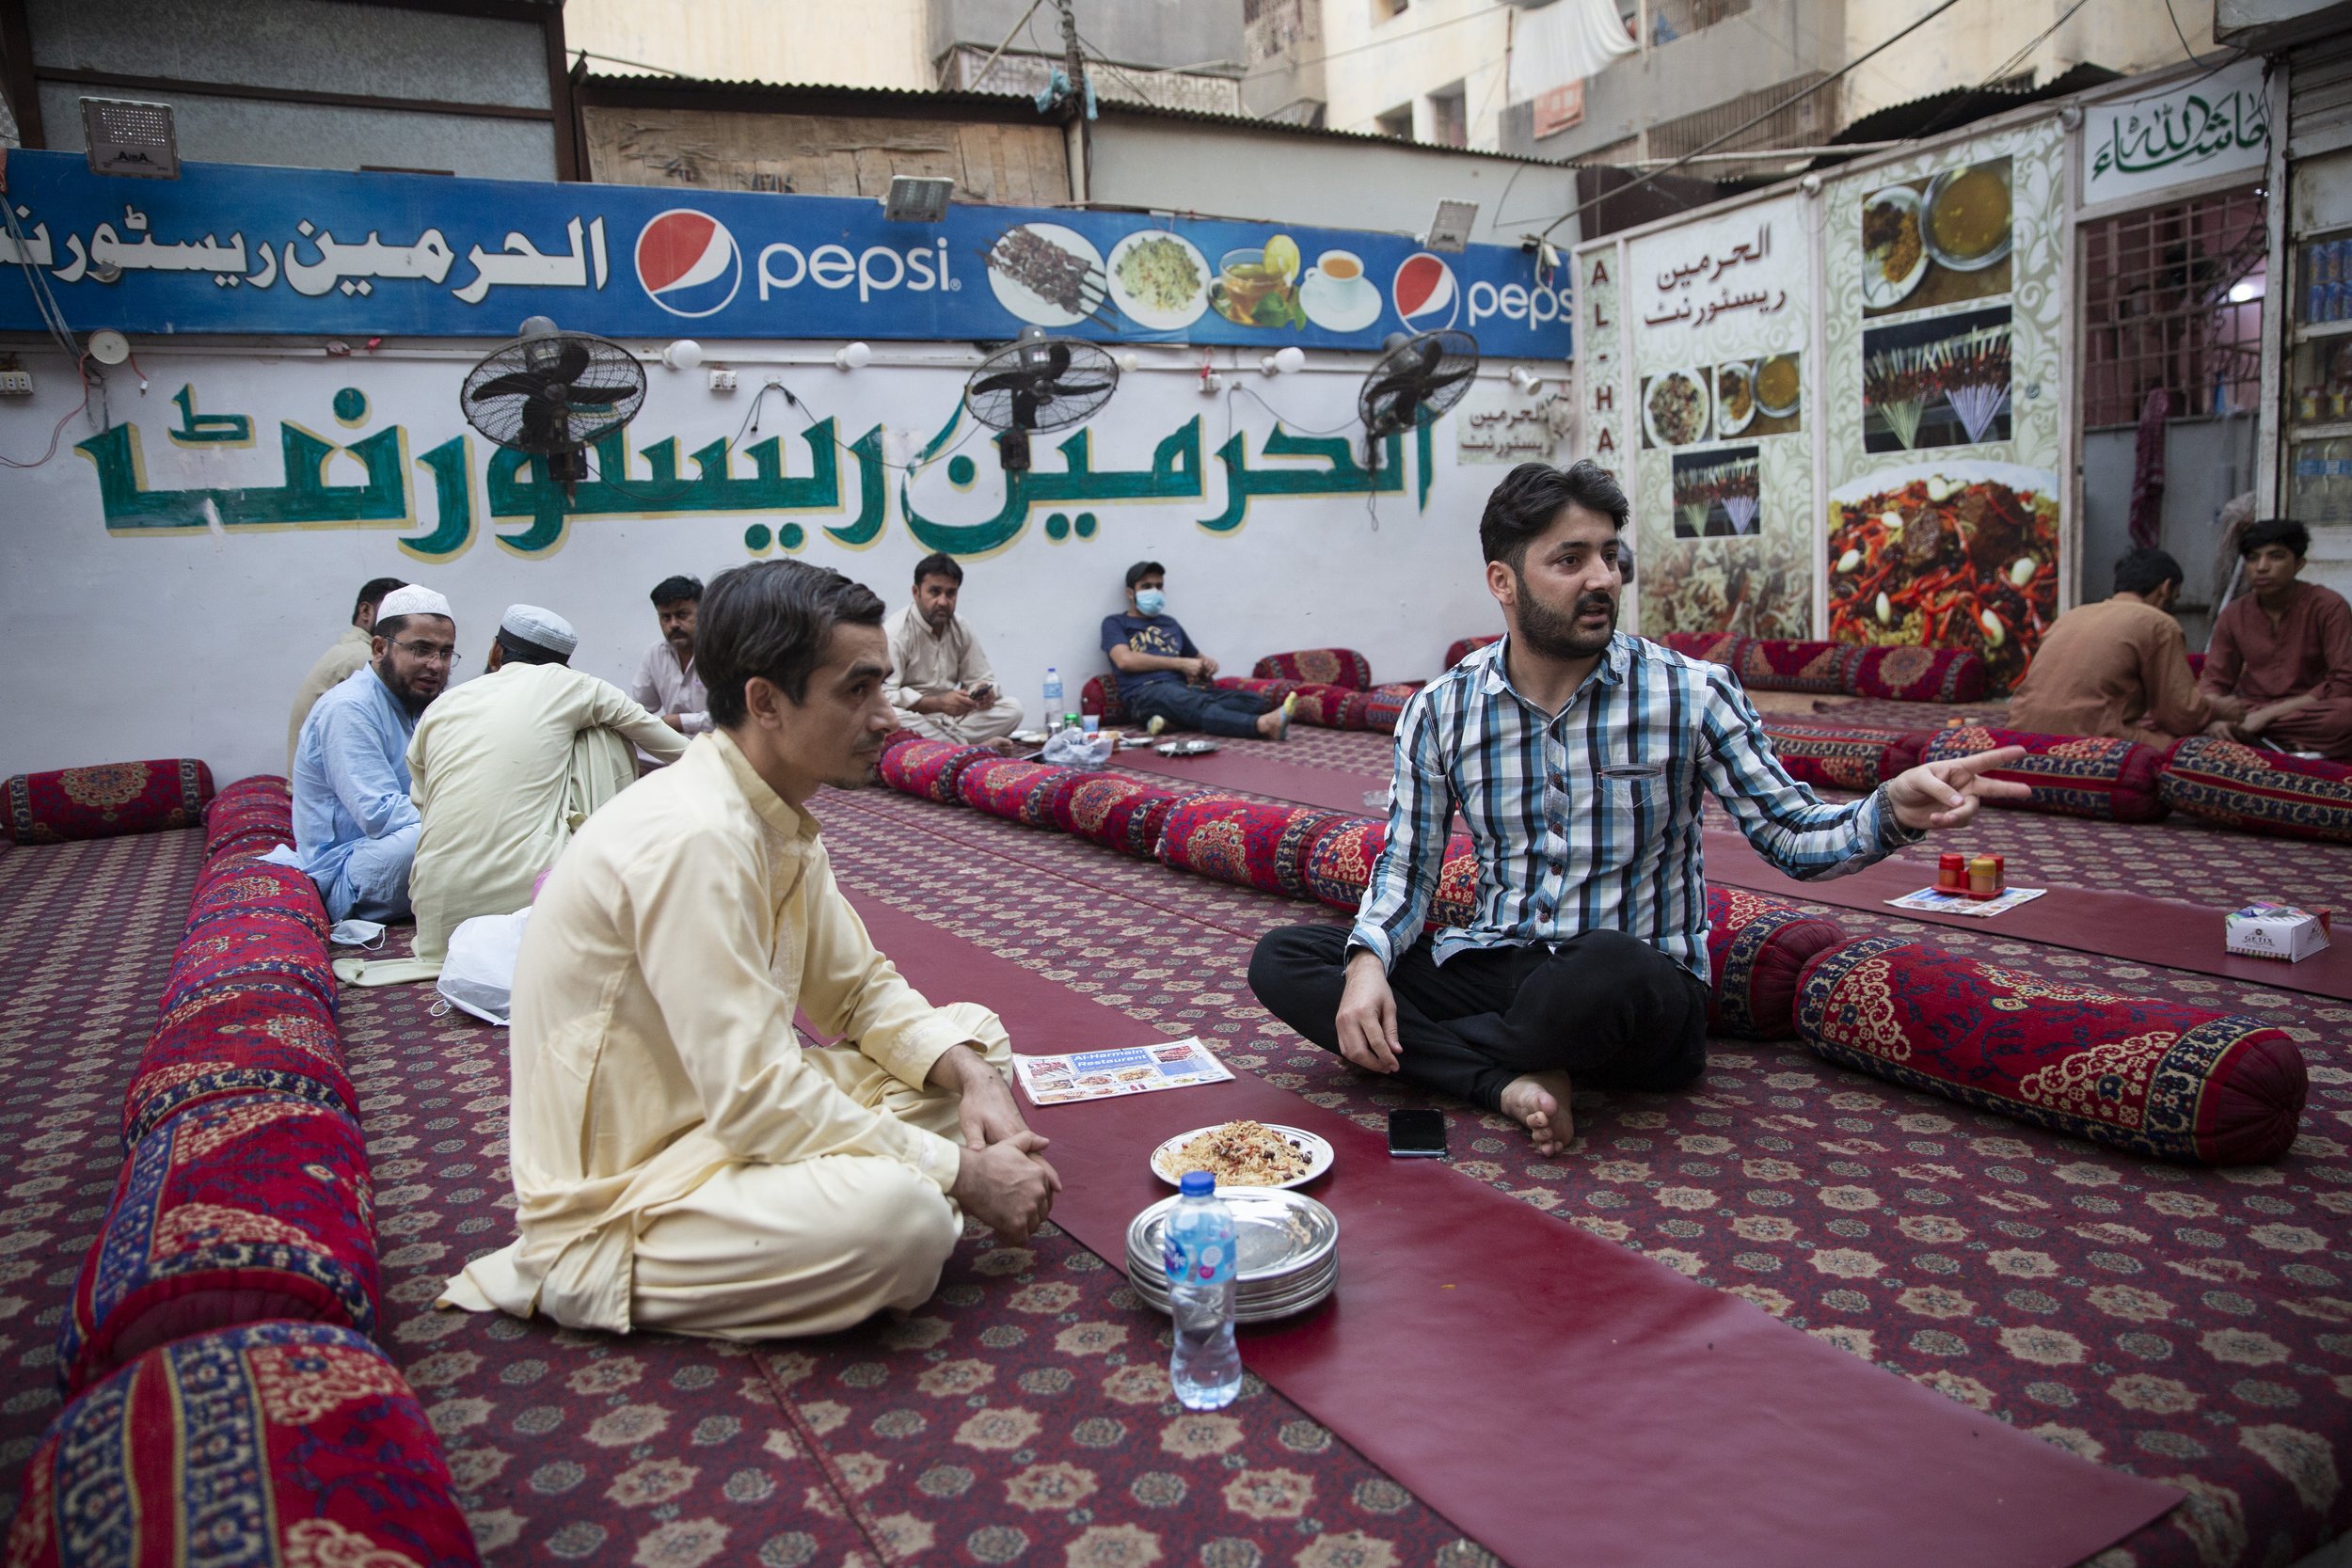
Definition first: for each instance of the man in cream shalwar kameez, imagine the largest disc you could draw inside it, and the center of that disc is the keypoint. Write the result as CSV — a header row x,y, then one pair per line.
x,y
683,1159
508,766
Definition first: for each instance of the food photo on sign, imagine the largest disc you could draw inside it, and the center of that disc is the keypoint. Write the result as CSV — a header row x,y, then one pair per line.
x,y
1942,240
1957,554
1716,493
1944,382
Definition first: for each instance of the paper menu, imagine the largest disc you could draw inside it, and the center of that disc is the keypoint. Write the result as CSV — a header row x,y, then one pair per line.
x,y
1132,1069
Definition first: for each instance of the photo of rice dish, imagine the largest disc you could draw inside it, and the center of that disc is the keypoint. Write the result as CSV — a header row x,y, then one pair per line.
x,y
1894,252
1238,1154
1157,275
1735,397
1675,408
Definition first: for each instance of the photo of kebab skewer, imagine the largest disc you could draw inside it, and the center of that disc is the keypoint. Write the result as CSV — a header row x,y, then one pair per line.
x,y
1068,282
1973,373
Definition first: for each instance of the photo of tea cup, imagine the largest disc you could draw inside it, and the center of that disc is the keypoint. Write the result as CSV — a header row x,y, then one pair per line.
x,y
1244,278
1336,296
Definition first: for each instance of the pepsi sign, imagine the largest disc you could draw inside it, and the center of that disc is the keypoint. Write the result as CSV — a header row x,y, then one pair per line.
x,y
240,248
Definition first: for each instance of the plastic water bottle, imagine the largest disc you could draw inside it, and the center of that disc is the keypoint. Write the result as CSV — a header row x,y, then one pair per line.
x,y
1053,697
1204,1364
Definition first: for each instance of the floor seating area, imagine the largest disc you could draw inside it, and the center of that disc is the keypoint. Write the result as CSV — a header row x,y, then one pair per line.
x,y
2143,1265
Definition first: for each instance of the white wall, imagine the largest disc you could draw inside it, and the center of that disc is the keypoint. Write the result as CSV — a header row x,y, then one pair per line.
x,y
1375,61
117,646
758,40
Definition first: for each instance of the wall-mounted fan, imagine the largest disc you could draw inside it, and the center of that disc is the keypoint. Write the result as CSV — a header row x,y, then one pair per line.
x,y
554,394
1038,383
1421,375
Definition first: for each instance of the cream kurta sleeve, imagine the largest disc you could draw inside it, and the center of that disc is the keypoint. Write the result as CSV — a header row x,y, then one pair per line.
x,y
696,911
904,689
606,705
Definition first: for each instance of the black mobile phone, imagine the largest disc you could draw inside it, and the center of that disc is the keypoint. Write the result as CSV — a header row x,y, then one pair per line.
x,y
983,692
1417,1135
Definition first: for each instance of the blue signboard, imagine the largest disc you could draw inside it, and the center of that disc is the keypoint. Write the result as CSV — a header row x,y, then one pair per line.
x,y
245,249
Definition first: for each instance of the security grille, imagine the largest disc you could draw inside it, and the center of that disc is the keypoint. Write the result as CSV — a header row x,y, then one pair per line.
x,y
2159,313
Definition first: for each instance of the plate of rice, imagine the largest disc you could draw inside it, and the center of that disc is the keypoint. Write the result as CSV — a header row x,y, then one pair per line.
x,y
1244,1154
1159,280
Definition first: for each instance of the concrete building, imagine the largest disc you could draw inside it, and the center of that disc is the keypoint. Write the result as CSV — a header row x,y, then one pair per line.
x,y
477,91
1705,68
1170,53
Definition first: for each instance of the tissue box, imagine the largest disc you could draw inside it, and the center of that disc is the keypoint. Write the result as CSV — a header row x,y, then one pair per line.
x,y
2276,931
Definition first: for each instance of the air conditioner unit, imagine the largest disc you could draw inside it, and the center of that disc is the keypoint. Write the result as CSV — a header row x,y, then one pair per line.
x,y
130,138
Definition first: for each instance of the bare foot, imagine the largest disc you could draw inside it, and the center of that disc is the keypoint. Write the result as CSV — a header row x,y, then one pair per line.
x,y
1539,1102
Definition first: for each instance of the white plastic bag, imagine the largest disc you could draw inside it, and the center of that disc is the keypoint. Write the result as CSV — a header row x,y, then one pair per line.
x,y
478,975
1072,748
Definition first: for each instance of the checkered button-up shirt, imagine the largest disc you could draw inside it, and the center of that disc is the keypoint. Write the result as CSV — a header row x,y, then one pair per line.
x,y
1589,820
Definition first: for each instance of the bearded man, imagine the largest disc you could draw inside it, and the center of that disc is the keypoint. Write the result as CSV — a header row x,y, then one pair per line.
x,y
1579,757
354,826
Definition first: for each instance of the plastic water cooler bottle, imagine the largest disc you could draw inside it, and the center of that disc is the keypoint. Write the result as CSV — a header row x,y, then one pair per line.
x,y
1203,1363
1052,699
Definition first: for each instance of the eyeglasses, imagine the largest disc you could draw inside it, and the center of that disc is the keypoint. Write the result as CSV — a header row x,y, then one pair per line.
x,y
431,653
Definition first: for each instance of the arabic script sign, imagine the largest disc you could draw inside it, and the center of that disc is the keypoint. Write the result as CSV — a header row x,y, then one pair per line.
x,y
243,249
2217,124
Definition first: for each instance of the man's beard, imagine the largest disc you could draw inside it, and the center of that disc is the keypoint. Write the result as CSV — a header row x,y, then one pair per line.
x,y
1557,635
414,700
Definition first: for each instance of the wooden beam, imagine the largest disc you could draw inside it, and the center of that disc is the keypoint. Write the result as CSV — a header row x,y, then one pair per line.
x,y
16,45
285,95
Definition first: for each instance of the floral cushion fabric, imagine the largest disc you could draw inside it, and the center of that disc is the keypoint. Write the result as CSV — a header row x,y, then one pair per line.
x,y
2068,775
2155,1077
1755,949
105,801
1317,666
2259,792
281,1444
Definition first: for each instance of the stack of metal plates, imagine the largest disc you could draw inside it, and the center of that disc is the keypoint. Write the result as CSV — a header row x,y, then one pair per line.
x,y
1287,1246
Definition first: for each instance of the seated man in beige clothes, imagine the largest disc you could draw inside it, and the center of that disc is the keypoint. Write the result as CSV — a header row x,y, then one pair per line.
x,y
939,680
683,1161
340,661
2120,668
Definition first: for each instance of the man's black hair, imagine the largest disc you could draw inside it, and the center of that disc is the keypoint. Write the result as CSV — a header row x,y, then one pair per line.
x,y
939,563
1142,569
520,650
372,593
2144,571
679,590
1530,499
773,619
2276,530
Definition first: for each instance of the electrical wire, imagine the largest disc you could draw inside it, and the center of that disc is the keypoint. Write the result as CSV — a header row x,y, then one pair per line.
x,y
53,318
1376,43
2005,68
1740,129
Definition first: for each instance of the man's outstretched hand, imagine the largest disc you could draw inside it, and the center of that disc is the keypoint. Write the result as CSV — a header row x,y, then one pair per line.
x,y
1948,794
1367,1017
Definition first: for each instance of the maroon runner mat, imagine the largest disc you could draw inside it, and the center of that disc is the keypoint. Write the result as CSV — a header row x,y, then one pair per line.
x,y
2165,932
1555,1396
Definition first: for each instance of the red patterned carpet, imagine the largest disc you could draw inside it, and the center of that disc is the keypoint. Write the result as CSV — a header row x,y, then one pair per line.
x,y
2186,1324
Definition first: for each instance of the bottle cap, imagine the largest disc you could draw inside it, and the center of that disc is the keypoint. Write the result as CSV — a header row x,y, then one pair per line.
x,y
1951,863
1197,1183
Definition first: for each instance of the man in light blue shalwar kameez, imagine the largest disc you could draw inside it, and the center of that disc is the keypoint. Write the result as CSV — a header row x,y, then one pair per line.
x,y
354,826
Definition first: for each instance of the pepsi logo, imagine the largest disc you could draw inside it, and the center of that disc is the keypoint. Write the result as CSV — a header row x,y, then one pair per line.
x,y
688,263
1424,293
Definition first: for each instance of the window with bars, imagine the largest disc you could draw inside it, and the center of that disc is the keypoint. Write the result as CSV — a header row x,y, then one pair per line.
x,y
2172,304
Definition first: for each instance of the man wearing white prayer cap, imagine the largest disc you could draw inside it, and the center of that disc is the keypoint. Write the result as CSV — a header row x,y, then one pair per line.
x,y
354,826
506,767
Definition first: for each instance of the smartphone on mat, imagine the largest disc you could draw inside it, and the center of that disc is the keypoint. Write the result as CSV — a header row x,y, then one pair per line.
x,y
1417,1135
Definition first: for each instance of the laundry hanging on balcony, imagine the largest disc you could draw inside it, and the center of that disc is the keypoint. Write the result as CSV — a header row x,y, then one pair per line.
x,y
1563,43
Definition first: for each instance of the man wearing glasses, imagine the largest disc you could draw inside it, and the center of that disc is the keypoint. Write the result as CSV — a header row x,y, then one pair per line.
x,y
355,827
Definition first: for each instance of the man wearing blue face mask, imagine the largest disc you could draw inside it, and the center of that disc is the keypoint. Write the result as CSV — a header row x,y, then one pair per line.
x,y
1169,683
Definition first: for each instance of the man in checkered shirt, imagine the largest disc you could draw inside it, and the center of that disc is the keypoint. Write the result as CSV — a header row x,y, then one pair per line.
x,y
1578,756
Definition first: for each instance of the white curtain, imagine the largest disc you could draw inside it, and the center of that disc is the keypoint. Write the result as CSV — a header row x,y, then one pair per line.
x,y
1566,41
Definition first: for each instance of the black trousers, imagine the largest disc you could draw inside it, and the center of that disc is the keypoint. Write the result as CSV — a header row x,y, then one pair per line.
x,y
1607,1007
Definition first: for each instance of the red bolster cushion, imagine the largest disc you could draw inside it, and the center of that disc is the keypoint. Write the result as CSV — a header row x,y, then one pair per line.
x,y
1317,666
1461,648
228,1211
2259,792
1100,697
1755,949
1009,789
929,768
1339,863
223,1043
1250,842
1114,808
275,1442
1323,707
1835,759
2155,1079
1711,647
1769,664
1919,674
234,882
2070,775
105,801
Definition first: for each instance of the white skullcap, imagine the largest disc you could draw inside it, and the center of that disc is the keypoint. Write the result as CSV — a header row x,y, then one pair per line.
x,y
415,599
542,629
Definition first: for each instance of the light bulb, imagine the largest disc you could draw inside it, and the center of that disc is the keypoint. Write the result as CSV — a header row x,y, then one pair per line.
x,y
854,356
684,355
541,351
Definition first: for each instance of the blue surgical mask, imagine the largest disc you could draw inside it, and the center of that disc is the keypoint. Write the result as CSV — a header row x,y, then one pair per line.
x,y
1150,601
